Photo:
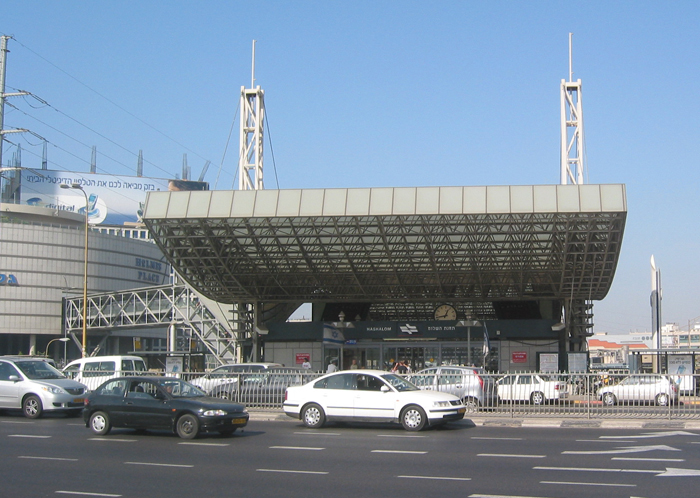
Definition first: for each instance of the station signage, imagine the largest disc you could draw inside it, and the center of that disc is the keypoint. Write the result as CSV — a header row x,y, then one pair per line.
x,y
518,357
8,279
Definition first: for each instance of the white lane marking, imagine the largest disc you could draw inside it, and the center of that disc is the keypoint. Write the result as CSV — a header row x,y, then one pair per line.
x,y
505,455
29,436
309,433
653,434
49,458
579,469
291,471
499,438
602,441
16,422
112,439
400,452
626,449
649,459
149,464
206,444
82,493
589,484
437,478
295,448
398,435
502,496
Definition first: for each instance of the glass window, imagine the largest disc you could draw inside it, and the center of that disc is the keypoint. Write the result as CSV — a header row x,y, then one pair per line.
x,y
368,383
6,370
449,376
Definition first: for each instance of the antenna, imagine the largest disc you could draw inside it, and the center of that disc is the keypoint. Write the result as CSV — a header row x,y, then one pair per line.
x,y
252,72
571,147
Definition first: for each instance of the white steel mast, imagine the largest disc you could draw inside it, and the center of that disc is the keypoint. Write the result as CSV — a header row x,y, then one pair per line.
x,y
250,158
572,150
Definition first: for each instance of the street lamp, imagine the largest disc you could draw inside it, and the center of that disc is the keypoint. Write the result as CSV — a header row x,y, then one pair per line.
x,y
62,339
469,323
77,186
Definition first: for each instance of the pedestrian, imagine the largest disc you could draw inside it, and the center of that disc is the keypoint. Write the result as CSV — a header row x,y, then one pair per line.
x,y
332,366
306,364
354,365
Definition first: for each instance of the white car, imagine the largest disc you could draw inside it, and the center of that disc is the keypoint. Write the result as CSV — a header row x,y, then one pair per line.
x,y
228,374
370,396
535,388
657,389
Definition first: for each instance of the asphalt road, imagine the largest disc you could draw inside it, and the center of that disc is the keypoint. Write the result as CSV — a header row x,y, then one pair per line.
x,y
57,456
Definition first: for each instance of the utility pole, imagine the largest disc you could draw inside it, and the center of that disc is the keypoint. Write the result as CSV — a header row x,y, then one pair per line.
x,y
3,95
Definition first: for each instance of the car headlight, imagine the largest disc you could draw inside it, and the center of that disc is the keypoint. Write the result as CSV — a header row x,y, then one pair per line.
x,y
214,413
442,404
53,390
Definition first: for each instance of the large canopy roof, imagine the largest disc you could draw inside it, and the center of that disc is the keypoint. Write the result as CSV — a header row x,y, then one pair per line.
x,y
394,246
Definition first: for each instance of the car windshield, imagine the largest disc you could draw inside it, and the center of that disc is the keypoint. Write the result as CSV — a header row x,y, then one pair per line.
x,y
180,389
39,370
399,383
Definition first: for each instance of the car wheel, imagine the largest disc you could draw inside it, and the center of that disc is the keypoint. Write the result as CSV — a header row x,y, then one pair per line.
x,y
662,399
100,424
413,418
609,399
313,416
187,426
537,398
472,404
32,407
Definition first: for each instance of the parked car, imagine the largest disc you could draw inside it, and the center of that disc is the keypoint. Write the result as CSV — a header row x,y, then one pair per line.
x,y
34,386
160,403
534,388
649,388
95,370
227,374
264,388
470,384
370,396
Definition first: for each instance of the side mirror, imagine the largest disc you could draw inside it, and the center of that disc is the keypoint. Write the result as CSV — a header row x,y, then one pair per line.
x,y
13,378
384,389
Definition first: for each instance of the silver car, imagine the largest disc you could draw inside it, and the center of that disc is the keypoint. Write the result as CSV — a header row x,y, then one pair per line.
x,y
34,386
650,388
470,384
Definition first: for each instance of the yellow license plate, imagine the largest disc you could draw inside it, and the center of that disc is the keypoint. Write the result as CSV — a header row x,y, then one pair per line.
x,y
238,421
78,400
462,410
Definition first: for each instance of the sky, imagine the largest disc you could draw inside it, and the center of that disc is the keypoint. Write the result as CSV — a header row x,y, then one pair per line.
x,y
383,94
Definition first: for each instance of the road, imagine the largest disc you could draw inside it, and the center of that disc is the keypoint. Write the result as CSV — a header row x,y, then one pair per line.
x,y
57,456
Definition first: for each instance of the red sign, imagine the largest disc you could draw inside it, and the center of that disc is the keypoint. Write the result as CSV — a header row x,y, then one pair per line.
x,y
518,357
302,357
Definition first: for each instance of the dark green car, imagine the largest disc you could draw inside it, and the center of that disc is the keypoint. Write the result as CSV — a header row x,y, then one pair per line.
x,y
163,403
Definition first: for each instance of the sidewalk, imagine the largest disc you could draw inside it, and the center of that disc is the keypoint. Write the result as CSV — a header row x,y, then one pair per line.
x,y
538,422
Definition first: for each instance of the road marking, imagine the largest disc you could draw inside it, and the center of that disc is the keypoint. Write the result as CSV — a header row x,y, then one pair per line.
x,y
309,433
82,493
112,439
627,449
671,472
649,459
501,496
599,441
653,434
505,455
437,478
579,469
49,458
206,444
29,436
295,448
499,438
589,484
16,422
291,471
398,435
149,464
401,452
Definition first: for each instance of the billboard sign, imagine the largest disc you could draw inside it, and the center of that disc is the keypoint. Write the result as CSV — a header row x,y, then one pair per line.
x,y
111,199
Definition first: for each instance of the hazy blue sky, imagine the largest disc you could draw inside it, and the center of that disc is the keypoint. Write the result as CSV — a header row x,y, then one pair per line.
x,y
380,93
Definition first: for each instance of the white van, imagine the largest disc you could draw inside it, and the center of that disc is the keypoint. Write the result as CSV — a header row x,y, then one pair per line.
x,y
93,371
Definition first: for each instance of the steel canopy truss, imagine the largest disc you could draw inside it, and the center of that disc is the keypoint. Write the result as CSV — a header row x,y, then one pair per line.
x,y
163,306
389,258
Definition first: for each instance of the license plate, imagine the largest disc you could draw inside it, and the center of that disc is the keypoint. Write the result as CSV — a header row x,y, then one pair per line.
x,y
238,421
462,410
78,400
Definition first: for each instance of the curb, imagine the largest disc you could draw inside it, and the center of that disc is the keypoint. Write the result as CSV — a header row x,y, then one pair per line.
x,y
531,422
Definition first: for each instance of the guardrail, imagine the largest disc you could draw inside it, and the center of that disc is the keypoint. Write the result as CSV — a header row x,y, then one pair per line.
x,y
590,395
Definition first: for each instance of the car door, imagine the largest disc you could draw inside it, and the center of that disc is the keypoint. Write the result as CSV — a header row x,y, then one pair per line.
x,y
629,389
147,406
524,387
111,399
504,387
338,396
451,381
426,379
370,402
9,389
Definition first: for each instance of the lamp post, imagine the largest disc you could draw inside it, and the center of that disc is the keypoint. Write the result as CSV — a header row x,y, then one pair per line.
x,y
77,186
469,323
62,339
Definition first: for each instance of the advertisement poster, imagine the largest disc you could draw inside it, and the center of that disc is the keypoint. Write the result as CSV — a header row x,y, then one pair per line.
x,y
549,362
680,368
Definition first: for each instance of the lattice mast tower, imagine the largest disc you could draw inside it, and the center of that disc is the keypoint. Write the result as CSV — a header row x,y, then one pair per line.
x,y
572,150
250,158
